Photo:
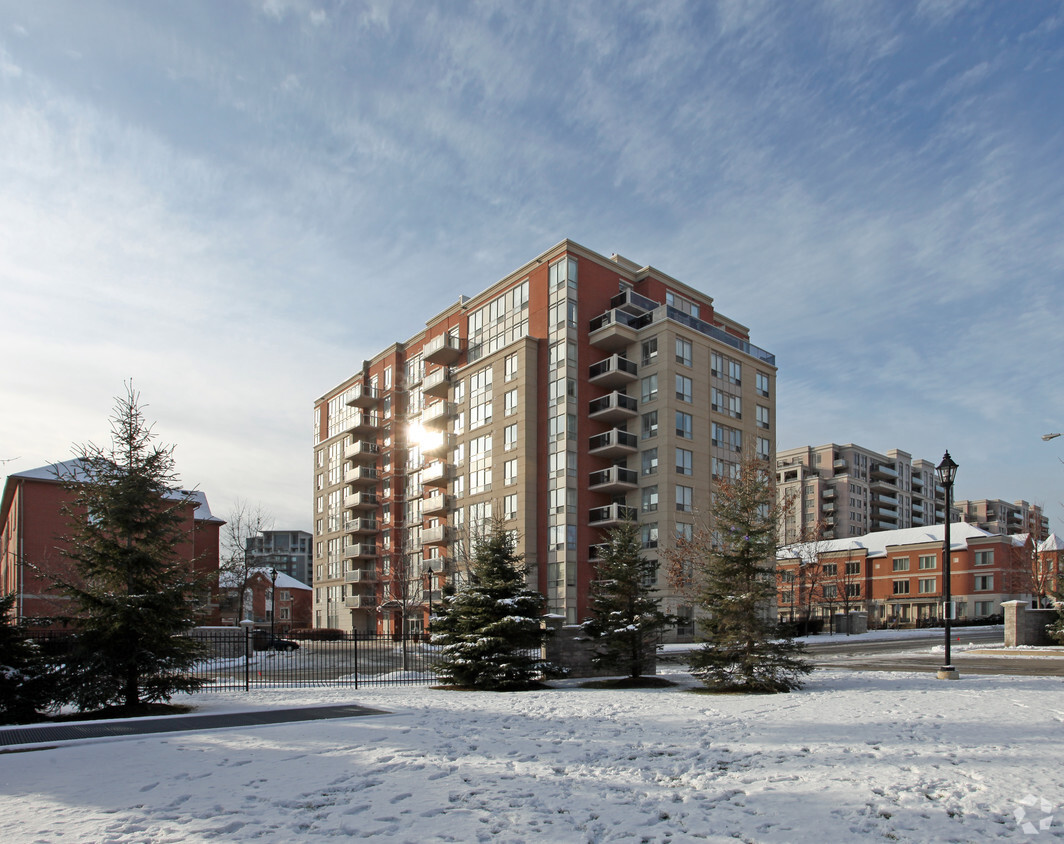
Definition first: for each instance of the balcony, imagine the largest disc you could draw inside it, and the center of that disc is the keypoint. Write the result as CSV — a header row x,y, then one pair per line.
x,y
366,576
362,476
436,535
438,415
362,501
614,479
360,602
438,445
613,372
613,444
614,407
839,465
828,493
360,551
883,471
443,349
594,552
437,474
362,395
362,451
611,515
360,526
633,303
612,332
828,507
437,503
363,423
437,383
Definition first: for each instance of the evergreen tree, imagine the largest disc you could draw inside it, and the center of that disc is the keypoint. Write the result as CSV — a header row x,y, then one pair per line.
x,y
626,620
730,570
489,629
131,593
25,684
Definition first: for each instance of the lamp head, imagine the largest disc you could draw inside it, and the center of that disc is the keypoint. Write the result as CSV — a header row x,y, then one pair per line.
x,y
946,470
1048,437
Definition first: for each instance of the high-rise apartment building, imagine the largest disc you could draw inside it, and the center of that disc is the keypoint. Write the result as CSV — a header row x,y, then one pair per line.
x,y
1005,517
288,551
847,490
576,393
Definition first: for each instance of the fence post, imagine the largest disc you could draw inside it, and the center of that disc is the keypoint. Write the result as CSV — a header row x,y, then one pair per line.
x,y
354,639
247,624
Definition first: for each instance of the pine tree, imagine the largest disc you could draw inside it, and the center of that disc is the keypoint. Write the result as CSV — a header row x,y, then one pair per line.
x,y
132,594
730,570
26,687
489,630
626,620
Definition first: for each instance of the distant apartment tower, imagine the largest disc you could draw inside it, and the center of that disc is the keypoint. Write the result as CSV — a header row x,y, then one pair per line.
x,y
848,490
997,516
288,551
574,394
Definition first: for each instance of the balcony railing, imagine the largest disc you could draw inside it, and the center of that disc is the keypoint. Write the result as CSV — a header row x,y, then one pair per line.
x,y
611,514
361,576
437,503
360,602
614,407
363,525
360,551
439,414
363,423
614,371
614,479
613,443
361,501
363,395
443,349
437,473
362,476
436,535
362,450
437,383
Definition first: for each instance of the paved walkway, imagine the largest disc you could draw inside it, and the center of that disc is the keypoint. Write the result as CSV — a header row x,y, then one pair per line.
x,y
12,737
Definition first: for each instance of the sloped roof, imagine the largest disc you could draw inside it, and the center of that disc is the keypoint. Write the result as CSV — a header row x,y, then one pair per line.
x,y
1051,543
229,579
75,470
877,543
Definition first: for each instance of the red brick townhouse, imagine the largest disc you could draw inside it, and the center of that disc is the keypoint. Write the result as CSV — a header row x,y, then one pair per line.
x,y
897,575
292,609
32,531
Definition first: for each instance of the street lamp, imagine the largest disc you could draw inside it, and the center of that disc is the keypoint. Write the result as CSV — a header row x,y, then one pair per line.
x,y
1048,437
947,471
273,601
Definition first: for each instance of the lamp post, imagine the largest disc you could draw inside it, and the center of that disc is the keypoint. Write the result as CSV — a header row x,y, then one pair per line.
x,y
947,471
1048,437
273,601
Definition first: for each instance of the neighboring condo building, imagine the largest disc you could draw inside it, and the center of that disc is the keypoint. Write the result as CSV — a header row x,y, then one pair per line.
x,y
576,393
999,516
288,551
848,490
33,531
897,576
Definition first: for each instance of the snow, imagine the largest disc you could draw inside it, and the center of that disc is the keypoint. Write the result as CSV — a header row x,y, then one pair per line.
x,y
854,756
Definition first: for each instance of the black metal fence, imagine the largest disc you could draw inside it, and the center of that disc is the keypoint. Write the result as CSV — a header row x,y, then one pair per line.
x,y
236,659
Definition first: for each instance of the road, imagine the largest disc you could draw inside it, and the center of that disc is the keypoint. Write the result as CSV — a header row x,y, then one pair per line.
x,y
925,653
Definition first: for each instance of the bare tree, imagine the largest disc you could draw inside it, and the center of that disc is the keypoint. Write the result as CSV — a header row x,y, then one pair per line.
x,y
244,521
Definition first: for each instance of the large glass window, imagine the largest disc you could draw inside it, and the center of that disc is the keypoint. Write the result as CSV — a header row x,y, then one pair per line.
x,y
650,499
684,388
650,461
683,351
650,424
684,461
650,388
684,425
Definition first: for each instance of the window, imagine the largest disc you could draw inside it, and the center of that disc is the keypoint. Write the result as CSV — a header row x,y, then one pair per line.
x,y
853,568
901,587
762,417
510,403
983,608
649,535
723,402
509,506
650,424
684,461
761,384
684,387
684,425
900,564
927,585
684,532
684,499
853,590
984,558
510,367
650,388
721,366
509,437
650,461
830,569
650,499
764,448
927,561
984,583
683,351
509,472
831,591
650,351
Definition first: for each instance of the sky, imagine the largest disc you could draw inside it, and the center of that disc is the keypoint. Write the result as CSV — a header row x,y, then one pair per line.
x,y
863,756
233,204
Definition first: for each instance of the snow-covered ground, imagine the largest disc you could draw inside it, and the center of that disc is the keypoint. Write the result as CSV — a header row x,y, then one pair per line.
x,y
852,757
